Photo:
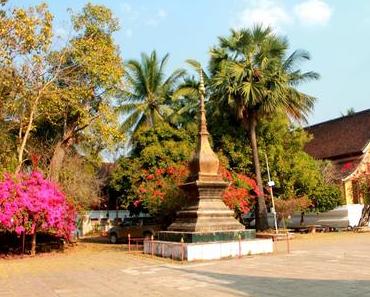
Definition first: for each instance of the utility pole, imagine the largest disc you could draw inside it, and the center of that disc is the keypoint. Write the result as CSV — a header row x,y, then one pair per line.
x,y
271,184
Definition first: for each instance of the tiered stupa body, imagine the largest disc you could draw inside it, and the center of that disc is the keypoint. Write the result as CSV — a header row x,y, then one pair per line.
x,y
205,187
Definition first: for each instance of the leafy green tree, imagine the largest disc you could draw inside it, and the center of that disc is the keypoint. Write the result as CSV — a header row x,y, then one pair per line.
x,y
295,173
163,146
157,148
147,98
8,156
80,182
252,78
229,140
85,108
58,96
26,80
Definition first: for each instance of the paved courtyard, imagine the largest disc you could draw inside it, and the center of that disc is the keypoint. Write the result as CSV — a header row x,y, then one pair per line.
x,y
335,264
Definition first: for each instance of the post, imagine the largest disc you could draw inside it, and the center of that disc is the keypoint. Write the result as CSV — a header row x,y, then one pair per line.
x,y
271,184
129,242
240,245
182,249
287,241
151,245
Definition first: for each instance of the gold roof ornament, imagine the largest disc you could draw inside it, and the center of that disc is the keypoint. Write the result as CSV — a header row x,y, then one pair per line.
x,y
204,164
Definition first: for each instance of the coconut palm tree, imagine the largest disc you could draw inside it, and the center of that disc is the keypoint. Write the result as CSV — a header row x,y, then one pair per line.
x,y
185,105
186,98
253,78
147,98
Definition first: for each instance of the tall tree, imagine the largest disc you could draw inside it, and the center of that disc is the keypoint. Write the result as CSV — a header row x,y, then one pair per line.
x,y
148,94
185,105
26,80
64,93
253,78
86,108
350,111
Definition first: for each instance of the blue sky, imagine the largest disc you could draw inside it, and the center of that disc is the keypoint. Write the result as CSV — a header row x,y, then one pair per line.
x,y
336,33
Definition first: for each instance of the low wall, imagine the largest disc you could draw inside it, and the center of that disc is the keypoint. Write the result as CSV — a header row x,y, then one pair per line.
x,y
207,250
341,217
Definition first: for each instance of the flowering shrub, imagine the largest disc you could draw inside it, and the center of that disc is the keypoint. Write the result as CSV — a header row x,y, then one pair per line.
x,y
241,193
30,203
347,167
159,192
361,188
287,207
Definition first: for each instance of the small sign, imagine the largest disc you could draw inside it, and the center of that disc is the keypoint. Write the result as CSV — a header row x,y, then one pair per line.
x,y
271,183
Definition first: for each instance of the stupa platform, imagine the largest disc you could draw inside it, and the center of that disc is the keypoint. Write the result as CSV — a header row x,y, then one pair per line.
x,y
207,250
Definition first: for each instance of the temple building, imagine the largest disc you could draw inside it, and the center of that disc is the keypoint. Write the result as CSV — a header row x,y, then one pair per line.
x,y
345,141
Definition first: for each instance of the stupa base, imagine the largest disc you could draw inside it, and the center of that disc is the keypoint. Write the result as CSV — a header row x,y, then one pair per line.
x,y
207,250
206,236
192,246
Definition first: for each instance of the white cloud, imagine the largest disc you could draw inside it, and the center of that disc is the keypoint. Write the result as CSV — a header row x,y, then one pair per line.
x,y
129,12
155,20
162,13
273,13
126,8
313,12
265,12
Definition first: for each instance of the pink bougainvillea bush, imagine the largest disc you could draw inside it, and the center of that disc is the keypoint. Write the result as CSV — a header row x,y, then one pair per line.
x,y
29,203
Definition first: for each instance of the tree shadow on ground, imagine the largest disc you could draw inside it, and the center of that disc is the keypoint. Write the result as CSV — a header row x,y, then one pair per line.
x,y
95,239
243,285
11,244
102,242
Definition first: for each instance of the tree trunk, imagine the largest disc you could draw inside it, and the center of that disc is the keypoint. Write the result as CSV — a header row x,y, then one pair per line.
x,y
365,216
26,135
57,161
60,150
33,244
261,210
23,241
152,120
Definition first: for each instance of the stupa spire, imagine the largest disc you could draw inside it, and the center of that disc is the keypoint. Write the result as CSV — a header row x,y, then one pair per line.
x,y
202,92
205,164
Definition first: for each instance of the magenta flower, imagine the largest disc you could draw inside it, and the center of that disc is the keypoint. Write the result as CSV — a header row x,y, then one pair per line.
x,y
30,203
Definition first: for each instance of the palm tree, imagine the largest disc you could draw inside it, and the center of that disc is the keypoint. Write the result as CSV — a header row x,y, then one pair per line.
x,y
186,99
147,98
349,112
252,78
185,105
